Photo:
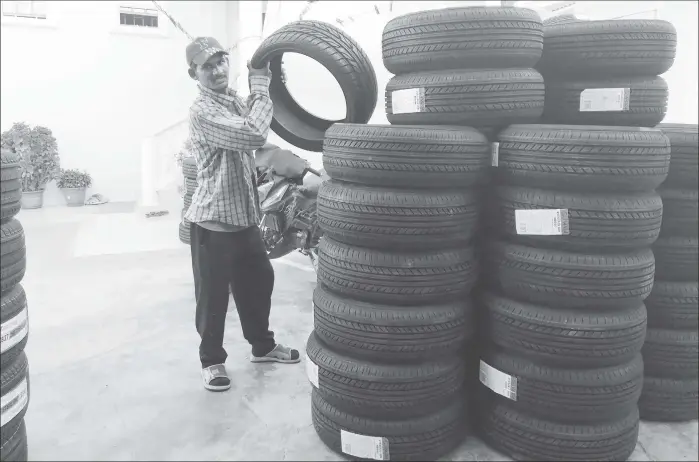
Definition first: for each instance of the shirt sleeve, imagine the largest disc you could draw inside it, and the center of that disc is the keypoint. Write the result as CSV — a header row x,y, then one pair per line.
x,y
232,132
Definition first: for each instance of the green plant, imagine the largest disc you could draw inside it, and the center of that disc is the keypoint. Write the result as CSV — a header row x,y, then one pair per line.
x,y
38,152
72,178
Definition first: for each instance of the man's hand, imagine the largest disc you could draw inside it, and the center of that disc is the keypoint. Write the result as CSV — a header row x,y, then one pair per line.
x,y
264,72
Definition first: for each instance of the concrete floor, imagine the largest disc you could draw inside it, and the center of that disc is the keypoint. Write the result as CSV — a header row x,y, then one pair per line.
x,y
113,354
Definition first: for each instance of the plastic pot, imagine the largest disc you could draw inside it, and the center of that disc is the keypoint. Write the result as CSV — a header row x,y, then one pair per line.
x,y
75,197
32,199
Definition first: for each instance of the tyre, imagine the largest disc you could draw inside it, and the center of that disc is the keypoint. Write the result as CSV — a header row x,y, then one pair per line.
x,y
586,158
13,261
612,47
10,185
523,437
565,338
406,157
184,233
564,18
673,305
574,102
477,37
562,279
340,55
676,258
669,400
680,212
573,396
389,333
189,168
189,185
423,438
671,353
376,390
492,99
14,324
401,219
187,200
398,278
15,448
14,389
684,168
594,221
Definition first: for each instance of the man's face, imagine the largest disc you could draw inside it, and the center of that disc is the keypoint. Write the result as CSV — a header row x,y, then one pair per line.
x,y
213,74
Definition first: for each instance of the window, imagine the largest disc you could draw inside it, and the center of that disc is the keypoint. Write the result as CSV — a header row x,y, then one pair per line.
x,y
32,10
142,17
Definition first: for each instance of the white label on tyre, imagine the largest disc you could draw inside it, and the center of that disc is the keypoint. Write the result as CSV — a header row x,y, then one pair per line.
x,y
312,371
13,402
604,99
14,330
501,383
547,222
364,447
494,154
408,101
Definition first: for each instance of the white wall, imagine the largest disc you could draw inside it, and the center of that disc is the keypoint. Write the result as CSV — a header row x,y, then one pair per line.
x,y
101,88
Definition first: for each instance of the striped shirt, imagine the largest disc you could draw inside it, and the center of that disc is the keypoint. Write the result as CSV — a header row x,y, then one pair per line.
x,y
223,134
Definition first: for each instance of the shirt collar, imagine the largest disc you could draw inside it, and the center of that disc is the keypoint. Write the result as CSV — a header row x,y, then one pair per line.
x,y
226,99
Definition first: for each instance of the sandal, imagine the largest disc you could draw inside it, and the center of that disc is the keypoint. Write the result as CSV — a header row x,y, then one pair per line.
x,y
215,378
279,354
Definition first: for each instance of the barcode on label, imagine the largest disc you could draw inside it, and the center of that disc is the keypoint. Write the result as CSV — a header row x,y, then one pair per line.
x,y
494,154
363,446
501,383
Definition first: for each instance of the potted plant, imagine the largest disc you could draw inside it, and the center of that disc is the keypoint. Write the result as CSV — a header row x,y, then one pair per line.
x,y
73,183
39,159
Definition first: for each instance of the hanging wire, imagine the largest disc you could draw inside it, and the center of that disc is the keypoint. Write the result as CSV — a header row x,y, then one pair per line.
x,y
172,20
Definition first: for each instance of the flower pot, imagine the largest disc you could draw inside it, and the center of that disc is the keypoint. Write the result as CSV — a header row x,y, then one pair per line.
x,y
75,197
32,199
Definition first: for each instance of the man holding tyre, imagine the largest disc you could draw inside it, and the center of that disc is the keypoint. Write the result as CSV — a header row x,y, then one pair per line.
x,y
226,244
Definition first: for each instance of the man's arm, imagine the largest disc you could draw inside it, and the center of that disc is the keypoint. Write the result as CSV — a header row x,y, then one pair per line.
x,y
236,133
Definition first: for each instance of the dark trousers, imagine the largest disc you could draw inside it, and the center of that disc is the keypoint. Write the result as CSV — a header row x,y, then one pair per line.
x,y
238,259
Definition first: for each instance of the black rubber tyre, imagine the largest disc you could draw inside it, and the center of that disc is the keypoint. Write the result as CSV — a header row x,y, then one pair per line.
x,y
382,390
13,254
189,168
676,258
573,396
424,438
10,185
562,19
647,102
669,400
673,305
684,168
671,353
474,37
398,278
389,333
527,438
587,158
564,338
15,448
187,200
617,221
340,55
411,157
566,280
14,324
14,389
400,219
189,185
184,233
611,47
492,98
680,212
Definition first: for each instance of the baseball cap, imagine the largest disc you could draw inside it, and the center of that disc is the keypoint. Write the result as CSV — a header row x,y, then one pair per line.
x,y
203,48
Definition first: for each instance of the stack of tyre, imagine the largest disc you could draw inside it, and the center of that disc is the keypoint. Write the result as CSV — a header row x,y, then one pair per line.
x,y
392,309
670,353
576,212
14,321
189,170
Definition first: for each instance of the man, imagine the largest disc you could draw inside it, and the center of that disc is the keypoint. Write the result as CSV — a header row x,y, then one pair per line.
x,y
226,243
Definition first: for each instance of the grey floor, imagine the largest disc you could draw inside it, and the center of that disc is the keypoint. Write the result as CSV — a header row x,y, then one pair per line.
x,y
113,354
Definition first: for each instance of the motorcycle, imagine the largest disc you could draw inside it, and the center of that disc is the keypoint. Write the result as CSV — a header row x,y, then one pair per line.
x,y
287,203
